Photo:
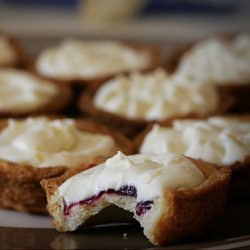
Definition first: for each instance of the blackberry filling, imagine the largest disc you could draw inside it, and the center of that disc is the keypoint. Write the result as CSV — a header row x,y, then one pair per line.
x,y
141,207
127,191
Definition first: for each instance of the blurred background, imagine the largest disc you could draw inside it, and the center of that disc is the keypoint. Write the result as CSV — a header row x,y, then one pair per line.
x,y
147,20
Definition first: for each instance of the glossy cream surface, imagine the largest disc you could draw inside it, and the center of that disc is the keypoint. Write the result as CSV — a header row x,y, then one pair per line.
x,y
7,52
150,174
223,141
41,142
219,60
22,91
155,96
76,59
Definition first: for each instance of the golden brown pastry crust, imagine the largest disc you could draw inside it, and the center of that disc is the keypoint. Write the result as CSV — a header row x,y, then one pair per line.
x,y
20,55
240,92
240,183
20,183
180,213
131,127
155,61
193,211
240,180
57,104
20,186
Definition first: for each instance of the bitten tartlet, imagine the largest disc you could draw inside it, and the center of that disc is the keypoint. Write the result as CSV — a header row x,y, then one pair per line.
x,y
221,60
223,141
23,93
36,148
11,52
172,196
90,62
130,102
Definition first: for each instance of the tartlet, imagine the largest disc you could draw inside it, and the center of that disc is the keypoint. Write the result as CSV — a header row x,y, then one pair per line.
x,y
168,209
11,51
82,62
23,93
222,60
131,102
218,140
38,148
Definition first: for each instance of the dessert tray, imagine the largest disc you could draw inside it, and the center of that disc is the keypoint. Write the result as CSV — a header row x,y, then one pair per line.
x,y
23,231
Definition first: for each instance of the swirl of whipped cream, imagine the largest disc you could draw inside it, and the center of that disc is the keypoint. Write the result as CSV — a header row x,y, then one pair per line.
x,y
41,142
150,174
222,141
22,91
75,59
155,96
7,52
219,60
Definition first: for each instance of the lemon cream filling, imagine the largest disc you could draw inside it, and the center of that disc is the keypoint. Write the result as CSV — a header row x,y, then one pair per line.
x,y
150,174
23,92
222,141
219,60
41,142
155,96
7,52
75,59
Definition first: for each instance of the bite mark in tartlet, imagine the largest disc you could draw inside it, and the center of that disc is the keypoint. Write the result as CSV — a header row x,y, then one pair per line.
x,y
172,196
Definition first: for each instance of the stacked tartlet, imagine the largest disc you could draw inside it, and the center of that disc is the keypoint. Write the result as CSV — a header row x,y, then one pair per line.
x,y
23,93
223,141
220,60
36,148
80,63
131,102
83,62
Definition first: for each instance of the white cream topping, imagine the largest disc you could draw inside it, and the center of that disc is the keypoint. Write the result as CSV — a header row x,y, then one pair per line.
x,y
7,52
155,96
41,142
151,175
218,140
218,60
74,59
21,91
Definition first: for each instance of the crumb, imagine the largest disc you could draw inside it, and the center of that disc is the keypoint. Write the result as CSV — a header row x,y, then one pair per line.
x,y
125,236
